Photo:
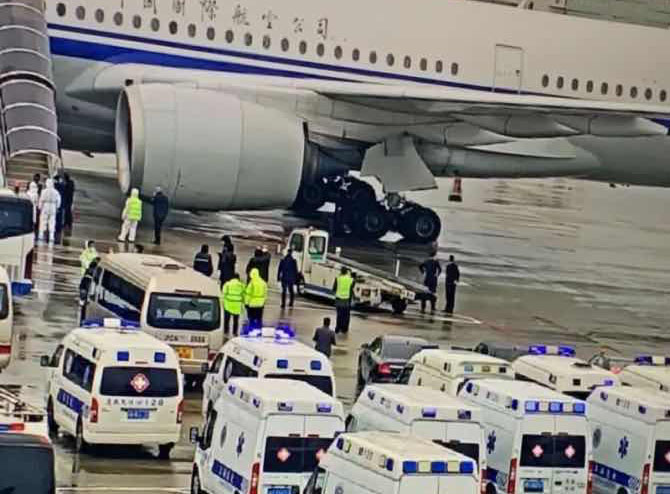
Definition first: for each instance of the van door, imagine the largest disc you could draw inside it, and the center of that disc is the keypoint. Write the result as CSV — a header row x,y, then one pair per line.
x,y
297,244
535,462
572,447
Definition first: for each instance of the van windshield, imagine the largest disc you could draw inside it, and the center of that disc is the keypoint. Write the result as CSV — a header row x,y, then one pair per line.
x,y
323,383
471,450
142,382
27,469
174,311
4,301
16,217
662,456
294,454
558,451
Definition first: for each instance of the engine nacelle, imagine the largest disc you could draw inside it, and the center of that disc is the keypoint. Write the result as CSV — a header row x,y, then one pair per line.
x,y
206,149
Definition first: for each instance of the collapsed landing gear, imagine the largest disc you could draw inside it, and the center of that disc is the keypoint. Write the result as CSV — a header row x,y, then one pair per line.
x,y
358,211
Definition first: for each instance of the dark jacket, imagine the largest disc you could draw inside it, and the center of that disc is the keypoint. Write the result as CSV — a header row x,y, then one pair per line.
x,y
161,206
264,265
227,261
288,271
68,196
453,273
431,270
203,263
324,339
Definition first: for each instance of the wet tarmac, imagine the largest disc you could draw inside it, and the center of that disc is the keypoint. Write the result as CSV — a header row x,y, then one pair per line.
x,y
542,261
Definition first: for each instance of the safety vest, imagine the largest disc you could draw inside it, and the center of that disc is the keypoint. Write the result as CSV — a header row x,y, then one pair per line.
x,y
86,258
343,288
232,296
256,292
134,209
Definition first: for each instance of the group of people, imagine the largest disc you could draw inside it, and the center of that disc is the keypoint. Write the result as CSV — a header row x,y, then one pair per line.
x,y
131,215
431,271
52,202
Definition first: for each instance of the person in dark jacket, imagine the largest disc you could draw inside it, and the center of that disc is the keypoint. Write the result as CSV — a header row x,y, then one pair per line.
x,y
161,207
453,277
254,262
324,338
431,270
68,201
287,275
227,260
59,185
203,261
264,263
85,287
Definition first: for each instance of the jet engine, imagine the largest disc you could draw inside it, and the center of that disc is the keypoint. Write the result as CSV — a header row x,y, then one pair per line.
x,y
206,149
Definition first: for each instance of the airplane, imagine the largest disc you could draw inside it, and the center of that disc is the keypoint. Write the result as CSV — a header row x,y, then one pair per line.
x,y
256,104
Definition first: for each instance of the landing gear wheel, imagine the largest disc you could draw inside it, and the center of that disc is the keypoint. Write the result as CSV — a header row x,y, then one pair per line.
x,y
79,443
421,225
398,305
310,197
361,193
51,421
164,451
372,223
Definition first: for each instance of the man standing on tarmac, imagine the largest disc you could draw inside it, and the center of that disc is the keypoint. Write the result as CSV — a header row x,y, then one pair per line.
x,y
68,200
287,275
254,298
87,255
431,270
453,277
161,208
131,215
232,296
227,260
202,263
343,288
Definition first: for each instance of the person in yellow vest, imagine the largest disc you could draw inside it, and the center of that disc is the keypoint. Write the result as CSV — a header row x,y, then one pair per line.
x,y
87,255
344,289
254,298
131,216
232,297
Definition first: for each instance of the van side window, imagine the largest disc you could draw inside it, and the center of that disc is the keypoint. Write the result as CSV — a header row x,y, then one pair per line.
x,y
297,243
209,430
4,301
235,368
216,364
55,358
79,370
121,297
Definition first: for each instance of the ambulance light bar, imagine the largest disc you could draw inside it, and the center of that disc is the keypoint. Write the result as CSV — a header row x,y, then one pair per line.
x,y
123,356
652,360
560,350
279,333
535,406
15,427
110,322
324,407
411,467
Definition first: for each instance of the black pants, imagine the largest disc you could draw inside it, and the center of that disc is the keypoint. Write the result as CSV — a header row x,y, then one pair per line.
x,y
68,216
343,317
158,226
255,315
432,288
451,298
290,288
227,316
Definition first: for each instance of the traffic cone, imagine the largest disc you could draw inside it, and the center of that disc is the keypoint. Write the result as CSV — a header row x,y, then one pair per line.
x,y
456,194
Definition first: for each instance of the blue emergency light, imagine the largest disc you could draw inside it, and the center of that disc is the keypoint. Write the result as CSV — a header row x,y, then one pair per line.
x,y
389,464
555,406
324,407
429,412
315,365
159,357
561,350
649,360
464,415
532,406
282,363
123,356
579,408
108,322
469,387
438,467
608,382
514,404
400,409
410,467
467,467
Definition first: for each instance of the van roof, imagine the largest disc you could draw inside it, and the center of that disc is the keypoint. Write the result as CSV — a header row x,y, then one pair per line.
x,y
274,348
644,404
394,455
281,396
117,339
565,368
171,274
657,373
409,403
520,397
459,362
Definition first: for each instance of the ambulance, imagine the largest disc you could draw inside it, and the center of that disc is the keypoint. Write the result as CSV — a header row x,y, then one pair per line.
x,y
110,383
557,368
272,353
422,412
631,440
648,371
264,436
449,370
390,463
537,440
6,319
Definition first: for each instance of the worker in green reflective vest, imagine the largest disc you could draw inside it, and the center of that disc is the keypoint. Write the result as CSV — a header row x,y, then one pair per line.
x,y
343,289
87,255
232,298
131,216
254,298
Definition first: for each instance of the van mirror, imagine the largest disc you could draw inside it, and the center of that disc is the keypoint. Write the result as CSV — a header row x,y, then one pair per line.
x,y
45,361
194,435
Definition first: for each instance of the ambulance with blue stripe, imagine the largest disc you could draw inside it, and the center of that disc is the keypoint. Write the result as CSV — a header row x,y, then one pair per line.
x,y
631,440
389,463
264,436
537,440
648,371
110,383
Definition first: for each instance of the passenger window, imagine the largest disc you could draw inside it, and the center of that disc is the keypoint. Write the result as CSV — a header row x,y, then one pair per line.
x,y
633,92
192,30
216,364
454,69
61,10
80,13
121,297
79,370
604,88
320,49
338,52
173,27
137,22
317,246
211,33
266,42
373,57
589,87
663,95
439,66
423,64
390,60
303,47
407,63
235,368
118,18
100,15
297,243
285,44
155,24
619,89
545,80
575,84
355,54
648,93
230,36
560,82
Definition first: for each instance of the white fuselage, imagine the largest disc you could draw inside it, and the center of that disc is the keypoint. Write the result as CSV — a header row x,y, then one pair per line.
x,y
445,43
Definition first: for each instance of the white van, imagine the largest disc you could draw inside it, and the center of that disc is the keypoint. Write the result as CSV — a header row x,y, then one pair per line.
x,y
169,300
271,353
647,371
557,368
6,319
449,370
389,463
631,440
422,412
264,436
537,440
114,384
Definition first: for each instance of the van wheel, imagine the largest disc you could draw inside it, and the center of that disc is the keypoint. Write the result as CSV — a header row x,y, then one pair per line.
x,y
196,488
622,491
51,421
79,442
164,451
398,305
490,488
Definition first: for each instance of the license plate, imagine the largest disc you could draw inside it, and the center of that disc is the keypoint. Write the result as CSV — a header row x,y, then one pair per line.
x,y
184,352
280,490
533,485
138,414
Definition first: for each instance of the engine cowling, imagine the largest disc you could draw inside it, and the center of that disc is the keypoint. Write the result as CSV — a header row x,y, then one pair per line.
x,y
207,149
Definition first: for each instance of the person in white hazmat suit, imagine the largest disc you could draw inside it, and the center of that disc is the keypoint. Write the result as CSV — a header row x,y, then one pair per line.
x,y
49,203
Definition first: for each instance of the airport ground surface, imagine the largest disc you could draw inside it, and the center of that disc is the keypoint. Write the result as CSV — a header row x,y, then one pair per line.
x,y
542,261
